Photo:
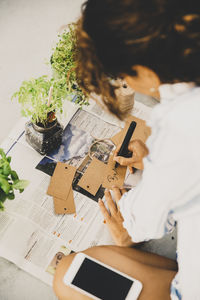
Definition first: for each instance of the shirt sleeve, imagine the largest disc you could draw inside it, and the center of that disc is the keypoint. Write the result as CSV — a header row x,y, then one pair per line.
x,y
170,174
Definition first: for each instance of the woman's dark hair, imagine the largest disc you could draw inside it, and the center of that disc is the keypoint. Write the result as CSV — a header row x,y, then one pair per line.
x,y
114,35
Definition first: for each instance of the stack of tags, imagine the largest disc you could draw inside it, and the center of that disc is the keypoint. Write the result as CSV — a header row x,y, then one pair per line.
x,y
61,189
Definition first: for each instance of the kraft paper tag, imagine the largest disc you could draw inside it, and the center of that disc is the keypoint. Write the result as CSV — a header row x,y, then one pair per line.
x,y
141,132
114,176
118,138
93,177
65,206
61,181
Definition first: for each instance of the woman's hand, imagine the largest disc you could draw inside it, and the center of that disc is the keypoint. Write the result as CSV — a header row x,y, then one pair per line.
x,y
139,151
114,219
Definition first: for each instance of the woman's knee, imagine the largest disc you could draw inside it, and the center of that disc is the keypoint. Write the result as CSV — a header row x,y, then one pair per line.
x,y
62,291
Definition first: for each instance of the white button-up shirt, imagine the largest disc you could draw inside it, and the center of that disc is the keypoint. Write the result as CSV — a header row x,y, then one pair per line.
x,y
170,187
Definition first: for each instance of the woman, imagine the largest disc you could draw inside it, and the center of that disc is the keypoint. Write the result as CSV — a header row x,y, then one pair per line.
x,y
155,46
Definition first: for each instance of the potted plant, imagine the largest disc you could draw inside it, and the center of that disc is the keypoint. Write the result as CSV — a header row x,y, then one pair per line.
x,y
63,63
41,99
9,180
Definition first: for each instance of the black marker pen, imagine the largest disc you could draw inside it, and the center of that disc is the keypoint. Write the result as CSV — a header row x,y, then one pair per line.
x,y
123,151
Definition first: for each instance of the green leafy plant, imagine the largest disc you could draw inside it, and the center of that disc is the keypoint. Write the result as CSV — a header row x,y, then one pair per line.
x,y
63,63
33,94
33,97
9,180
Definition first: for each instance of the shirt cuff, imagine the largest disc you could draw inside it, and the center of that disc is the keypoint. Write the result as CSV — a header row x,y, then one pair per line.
x,y
126,208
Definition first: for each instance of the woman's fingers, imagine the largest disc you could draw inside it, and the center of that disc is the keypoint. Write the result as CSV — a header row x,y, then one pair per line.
x,y
123,191
130,162
124,161
139,148
104,211
111,204
131,170
114,220
139,151
117,194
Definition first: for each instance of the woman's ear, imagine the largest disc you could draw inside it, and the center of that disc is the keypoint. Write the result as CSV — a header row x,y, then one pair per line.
x,y
146,81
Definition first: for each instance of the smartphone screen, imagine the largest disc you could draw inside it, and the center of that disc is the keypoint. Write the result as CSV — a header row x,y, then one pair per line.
x,y
101,282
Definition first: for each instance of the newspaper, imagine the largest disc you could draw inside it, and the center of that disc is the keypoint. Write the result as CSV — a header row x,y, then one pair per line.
x,y
31,234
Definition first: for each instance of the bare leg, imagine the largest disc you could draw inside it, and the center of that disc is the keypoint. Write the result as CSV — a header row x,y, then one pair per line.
x,y
147,258
156,280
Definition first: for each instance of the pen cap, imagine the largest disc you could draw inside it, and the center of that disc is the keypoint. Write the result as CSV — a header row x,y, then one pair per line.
x,y
130,131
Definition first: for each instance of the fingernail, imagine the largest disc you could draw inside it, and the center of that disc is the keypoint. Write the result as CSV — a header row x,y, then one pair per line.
x,y
99,200
106,190
114,186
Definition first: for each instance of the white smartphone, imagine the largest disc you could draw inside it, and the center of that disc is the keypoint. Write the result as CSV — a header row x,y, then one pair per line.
x,y
99,281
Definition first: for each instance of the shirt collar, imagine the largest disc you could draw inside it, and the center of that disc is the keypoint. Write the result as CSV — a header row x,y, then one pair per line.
x,y
170,91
